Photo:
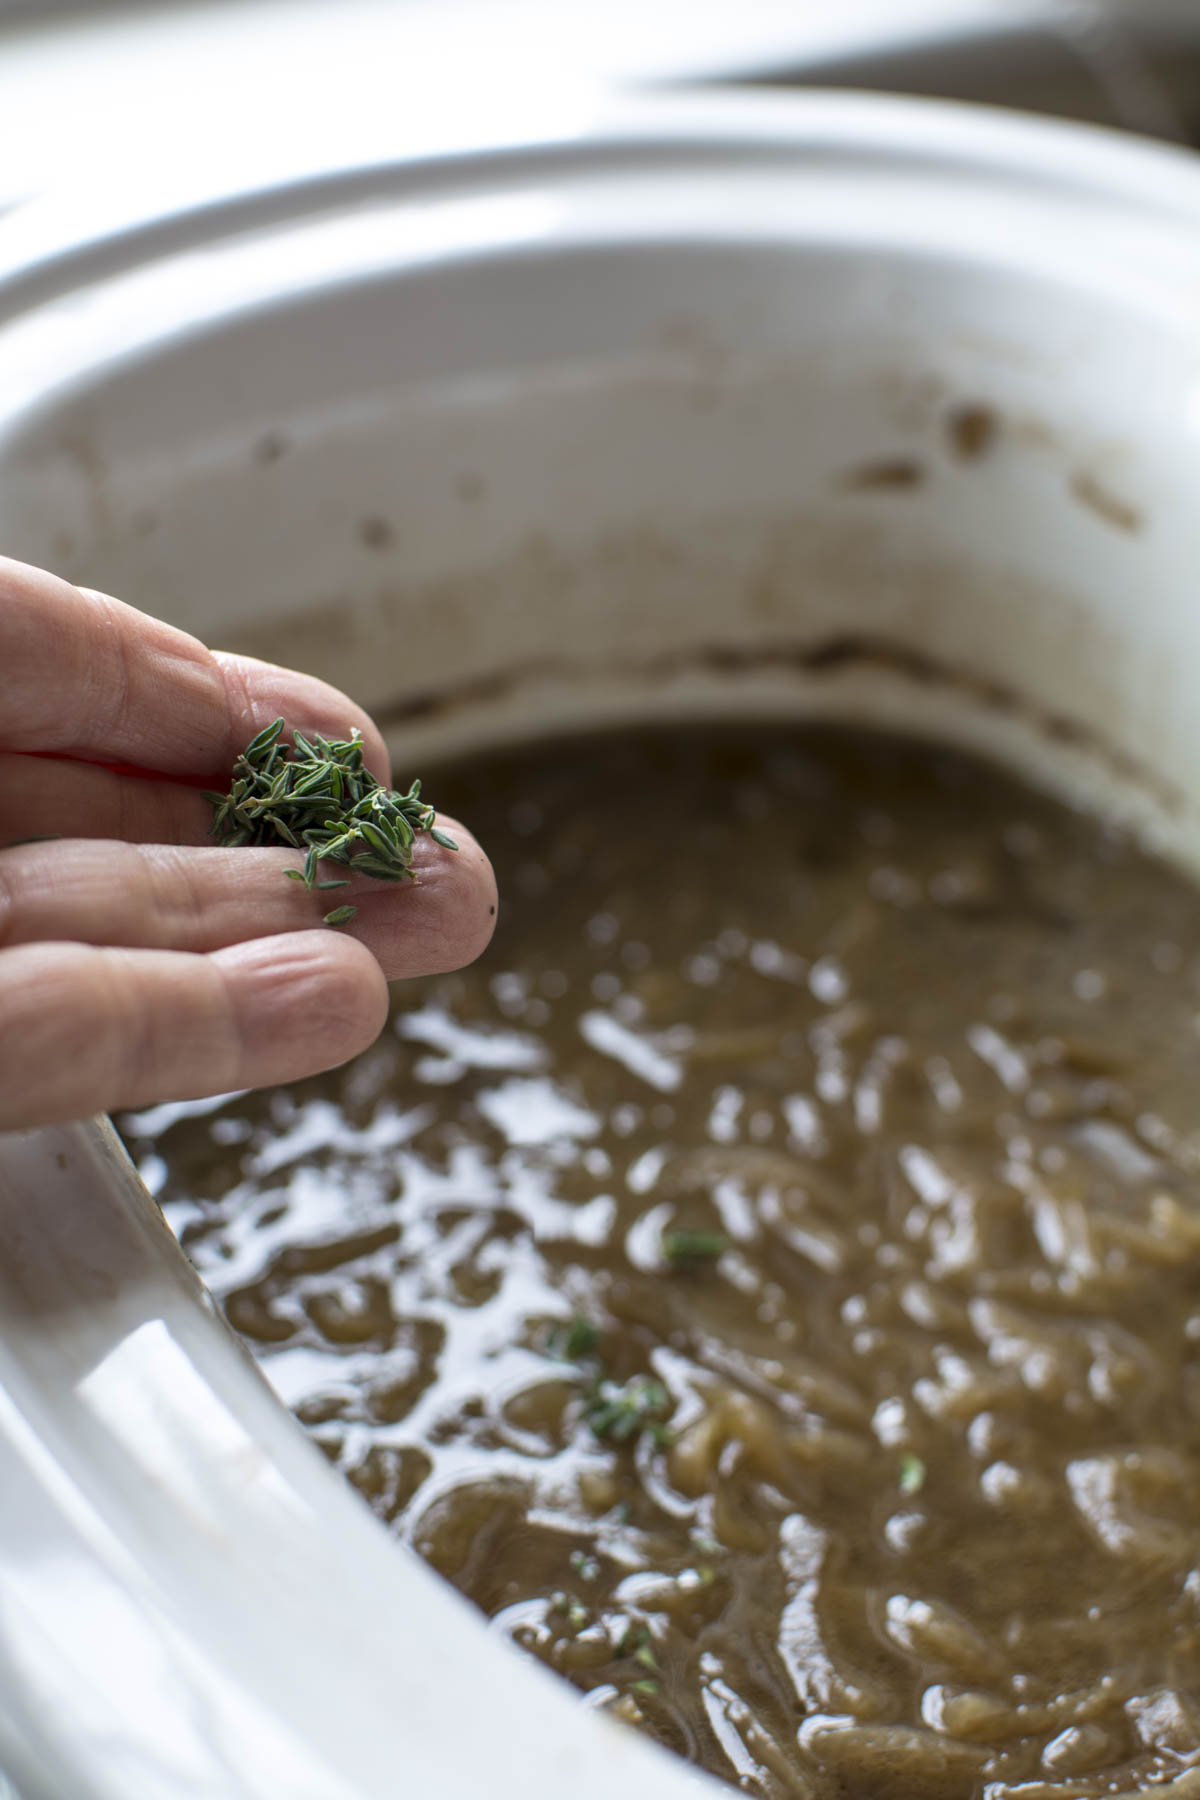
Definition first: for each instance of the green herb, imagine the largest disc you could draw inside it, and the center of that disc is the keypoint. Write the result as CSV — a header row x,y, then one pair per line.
x,y
341,915
582,1338
618,1412
643,1687
637,1643
622,1413
316,795
577,1614
912,1474
684,1248
573,1342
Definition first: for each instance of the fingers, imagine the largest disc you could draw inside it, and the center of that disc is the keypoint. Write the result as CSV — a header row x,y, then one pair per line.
x,y
86,1030
200,900
47,798
84,674
255,693
137,961
78,799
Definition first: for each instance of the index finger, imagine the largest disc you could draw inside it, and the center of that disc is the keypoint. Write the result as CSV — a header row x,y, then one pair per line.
x,y
85,675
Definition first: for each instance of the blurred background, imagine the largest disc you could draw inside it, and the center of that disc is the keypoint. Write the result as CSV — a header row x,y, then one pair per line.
x,y
155,86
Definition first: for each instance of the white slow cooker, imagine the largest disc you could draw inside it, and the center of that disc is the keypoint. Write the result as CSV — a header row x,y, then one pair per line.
x,y
795,406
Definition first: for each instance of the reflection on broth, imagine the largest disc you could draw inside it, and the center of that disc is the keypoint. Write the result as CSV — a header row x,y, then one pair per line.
x,y
769,1283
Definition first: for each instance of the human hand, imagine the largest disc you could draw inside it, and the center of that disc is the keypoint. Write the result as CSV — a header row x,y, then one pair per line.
x,y
139,962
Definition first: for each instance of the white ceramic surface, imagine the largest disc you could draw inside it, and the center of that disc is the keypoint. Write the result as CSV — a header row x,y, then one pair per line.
x,y
103,81
98,83
649,410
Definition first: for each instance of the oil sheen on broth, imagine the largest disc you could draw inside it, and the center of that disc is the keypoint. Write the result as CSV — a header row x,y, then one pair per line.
x,y
887,1484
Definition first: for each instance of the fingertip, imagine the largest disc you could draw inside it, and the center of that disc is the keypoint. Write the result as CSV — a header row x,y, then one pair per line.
x,y
443,920
302,1002
466,885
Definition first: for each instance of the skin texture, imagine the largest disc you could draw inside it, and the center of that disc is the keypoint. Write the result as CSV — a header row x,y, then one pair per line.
x,y
138,962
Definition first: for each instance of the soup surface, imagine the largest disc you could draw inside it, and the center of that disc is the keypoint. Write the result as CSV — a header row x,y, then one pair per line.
x,y
768,1283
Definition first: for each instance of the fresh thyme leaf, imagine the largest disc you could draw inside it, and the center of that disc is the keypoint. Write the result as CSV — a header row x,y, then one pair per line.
x,y
316,795
341,915
636,1643
377,839
644,1650
912,1474
573,1342
582,1338
684,1248
256,750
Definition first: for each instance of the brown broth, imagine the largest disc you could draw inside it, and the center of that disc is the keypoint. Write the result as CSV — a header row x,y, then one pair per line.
x,y
918,1510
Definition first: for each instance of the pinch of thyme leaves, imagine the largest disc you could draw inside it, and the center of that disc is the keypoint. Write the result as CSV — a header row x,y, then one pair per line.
x,y
316,795
624,1412
619,1412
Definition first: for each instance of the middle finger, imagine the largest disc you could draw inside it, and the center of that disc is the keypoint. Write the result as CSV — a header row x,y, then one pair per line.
x,y
157,896
45,797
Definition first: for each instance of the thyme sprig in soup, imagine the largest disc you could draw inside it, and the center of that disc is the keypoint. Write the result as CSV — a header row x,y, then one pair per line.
x,y
769,1283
